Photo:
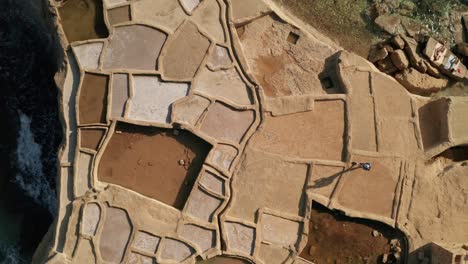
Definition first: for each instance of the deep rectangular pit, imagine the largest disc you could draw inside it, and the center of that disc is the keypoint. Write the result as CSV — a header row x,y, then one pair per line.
x,y
293,38
327,82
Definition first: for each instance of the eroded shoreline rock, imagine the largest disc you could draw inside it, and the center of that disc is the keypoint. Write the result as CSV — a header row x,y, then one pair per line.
x,y
420,83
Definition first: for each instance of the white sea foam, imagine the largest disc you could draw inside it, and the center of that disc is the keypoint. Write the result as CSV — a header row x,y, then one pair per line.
x,y
10,254
30,176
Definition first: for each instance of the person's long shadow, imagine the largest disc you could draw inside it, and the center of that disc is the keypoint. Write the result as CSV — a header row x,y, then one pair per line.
x,y
328,180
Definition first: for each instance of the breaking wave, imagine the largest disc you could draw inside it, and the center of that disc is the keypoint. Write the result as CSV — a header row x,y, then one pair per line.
x,y
30,177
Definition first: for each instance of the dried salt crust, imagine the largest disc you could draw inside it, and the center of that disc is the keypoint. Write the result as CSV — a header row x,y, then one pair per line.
x,y
265,228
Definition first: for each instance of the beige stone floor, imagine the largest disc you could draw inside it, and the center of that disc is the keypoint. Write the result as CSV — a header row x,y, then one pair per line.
x,y
285,110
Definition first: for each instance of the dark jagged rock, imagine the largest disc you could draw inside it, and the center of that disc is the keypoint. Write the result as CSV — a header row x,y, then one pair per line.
x,y
29,57
398,42
462,49
377,53
386,65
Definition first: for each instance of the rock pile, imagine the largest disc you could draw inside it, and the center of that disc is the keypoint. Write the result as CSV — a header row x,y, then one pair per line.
x,y
423,67
394,256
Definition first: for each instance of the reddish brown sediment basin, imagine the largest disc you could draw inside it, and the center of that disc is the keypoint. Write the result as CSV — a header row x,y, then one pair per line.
x,y
154,162
91,138
335,238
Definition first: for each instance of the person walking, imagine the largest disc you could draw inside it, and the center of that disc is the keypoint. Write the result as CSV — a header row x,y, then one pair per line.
x,y
364,165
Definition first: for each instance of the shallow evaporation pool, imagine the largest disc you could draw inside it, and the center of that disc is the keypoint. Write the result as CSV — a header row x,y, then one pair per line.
x,y
83,20
141,158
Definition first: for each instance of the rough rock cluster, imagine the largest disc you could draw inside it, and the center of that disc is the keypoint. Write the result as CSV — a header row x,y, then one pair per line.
x,y
412,55
395,252
423,67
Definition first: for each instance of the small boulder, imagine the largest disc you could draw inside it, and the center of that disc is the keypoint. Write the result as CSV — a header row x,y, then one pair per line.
x,y
312,250
421,66
386,65
388,47
412,26
389,23
431,70
462,49
399,59
411,49
381,8
398,42
377,53
407,5
420,83
394,243
375,233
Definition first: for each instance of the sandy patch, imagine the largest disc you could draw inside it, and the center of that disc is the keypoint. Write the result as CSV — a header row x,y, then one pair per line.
x,y
323,129
119,15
